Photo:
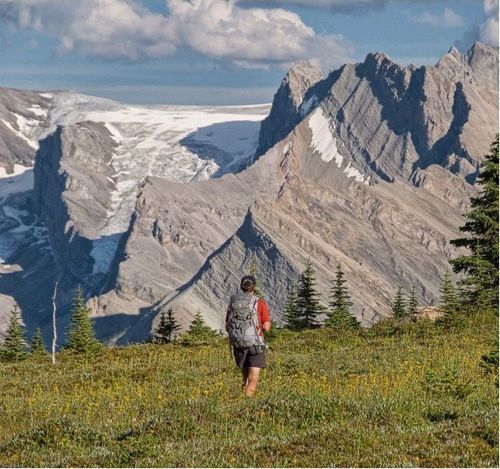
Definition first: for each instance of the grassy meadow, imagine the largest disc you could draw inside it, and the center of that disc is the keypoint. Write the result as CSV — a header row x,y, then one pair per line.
x,y
405,397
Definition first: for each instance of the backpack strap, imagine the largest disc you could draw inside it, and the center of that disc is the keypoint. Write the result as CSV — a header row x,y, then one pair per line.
x,y
255,305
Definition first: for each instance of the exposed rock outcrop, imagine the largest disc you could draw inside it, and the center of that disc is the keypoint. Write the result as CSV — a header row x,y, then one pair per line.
x,y
23,119
285,112
393,120
72,192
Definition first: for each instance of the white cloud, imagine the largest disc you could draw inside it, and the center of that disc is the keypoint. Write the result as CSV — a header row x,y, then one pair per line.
x,y
447,19
221,29
251,36
488,31
115,29
344,6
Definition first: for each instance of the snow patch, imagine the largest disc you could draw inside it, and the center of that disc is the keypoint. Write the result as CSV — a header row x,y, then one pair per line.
x,y
287,148
20,181
103,251
322,139
117,136
37,110
18,169
350,172
29,129
47,95
306,106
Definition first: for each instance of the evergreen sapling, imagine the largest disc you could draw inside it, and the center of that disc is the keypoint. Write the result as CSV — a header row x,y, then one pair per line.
x,y
412,305
198,333
308,299
448,304
167,327
14,344
81,335
37,344
398,305
340,301
291,317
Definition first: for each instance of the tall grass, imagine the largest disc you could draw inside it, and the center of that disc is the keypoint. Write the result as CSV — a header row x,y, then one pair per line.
x,y
414,396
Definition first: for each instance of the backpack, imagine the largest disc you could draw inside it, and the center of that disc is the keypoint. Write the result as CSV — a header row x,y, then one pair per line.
x,y
243,321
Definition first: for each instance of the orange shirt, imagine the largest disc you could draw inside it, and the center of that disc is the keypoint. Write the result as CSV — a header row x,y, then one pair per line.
x,y
263,313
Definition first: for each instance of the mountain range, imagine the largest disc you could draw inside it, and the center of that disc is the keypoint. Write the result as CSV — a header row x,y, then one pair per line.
x,y
151,207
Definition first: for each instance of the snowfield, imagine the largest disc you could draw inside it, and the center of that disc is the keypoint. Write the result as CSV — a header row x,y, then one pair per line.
x,y
179,143
325,144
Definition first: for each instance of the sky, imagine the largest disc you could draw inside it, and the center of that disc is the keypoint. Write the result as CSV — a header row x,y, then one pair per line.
x,y
219,52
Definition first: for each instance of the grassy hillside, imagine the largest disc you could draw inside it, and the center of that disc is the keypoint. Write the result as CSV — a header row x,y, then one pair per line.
x,y
416,397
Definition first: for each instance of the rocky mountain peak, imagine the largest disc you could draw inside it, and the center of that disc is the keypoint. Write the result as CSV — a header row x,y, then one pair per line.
x,y
284,113
454,52
301,76
483,60
378,60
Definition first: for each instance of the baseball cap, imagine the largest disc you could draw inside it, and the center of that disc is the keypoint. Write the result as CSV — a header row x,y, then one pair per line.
x,y
246,279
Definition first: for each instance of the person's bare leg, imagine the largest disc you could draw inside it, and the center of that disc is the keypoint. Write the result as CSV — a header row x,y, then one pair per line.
x,y
253,379
244,375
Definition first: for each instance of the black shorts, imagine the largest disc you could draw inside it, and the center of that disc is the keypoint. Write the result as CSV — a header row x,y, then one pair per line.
x,y
254,357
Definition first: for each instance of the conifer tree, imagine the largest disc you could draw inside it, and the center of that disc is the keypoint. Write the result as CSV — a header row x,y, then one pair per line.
x,y
412,302
340,302
81,335
198,326
480,267
167,327
252,270
291,317
37,345
448,303
398,305
198,333
14,344
309,306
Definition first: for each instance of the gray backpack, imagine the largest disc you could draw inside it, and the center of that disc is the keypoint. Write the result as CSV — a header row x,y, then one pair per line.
x,y
243,321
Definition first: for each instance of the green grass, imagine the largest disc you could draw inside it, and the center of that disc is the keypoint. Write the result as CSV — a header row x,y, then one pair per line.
x,y
414,397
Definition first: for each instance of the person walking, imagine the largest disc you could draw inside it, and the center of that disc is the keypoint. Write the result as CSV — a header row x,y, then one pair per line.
x,y
246,320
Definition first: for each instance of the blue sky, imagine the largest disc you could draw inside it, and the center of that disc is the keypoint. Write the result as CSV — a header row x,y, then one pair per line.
x,y
218,51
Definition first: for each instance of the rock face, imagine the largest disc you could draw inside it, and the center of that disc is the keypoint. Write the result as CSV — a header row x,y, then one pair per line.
x,y
72,192
394,120
23,119
285,112
370,168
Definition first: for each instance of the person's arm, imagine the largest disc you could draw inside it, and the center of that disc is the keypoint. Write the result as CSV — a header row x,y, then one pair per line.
x,y
265,319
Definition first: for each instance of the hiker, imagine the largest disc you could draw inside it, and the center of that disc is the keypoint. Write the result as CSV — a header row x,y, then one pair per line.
x,y
247,317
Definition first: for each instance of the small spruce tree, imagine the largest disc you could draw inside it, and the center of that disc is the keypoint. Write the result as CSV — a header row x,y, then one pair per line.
x,y
480,284
339,314
291,319
198,333
37,345
252,270
398,305
309,306
198,326
167,327
81,334
448,304
14,345
412,305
